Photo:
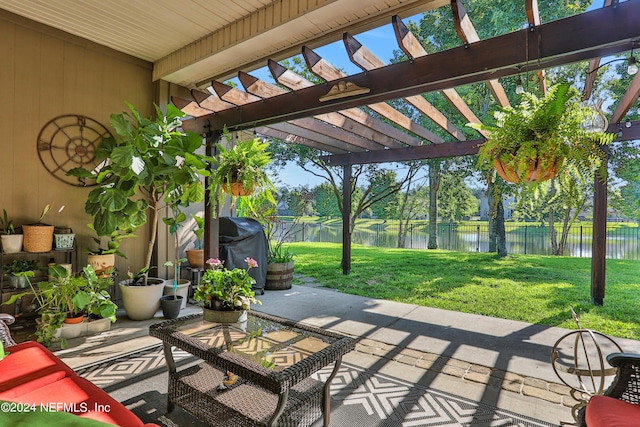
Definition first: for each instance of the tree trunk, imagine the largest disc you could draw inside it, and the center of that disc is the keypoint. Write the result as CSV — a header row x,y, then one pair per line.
x,y
497,234
501,236
434,183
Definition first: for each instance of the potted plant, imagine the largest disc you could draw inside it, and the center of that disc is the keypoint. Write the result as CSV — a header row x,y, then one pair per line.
x,y
153,165
68,297
240,170
11,241
226,295
195,256
171,302
39,237
103,258
540,137
17,266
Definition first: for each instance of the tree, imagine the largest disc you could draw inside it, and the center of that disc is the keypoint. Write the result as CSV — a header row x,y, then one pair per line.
x,y
326,201
386,207
455,198
413,204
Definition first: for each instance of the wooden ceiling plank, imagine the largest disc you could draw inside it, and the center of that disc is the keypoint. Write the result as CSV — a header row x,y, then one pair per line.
x,y
322,68
296,139
628,99
267,90
210,101
468,34
597,33
294,81
365,59
410,45
189,107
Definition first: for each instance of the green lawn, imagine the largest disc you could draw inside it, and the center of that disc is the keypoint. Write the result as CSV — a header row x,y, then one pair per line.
x,y
530,288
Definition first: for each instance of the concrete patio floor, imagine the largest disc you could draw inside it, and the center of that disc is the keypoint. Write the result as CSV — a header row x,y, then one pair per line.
x,y
499,362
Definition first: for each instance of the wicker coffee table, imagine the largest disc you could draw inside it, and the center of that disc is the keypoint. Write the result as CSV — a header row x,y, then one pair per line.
x,y
272,360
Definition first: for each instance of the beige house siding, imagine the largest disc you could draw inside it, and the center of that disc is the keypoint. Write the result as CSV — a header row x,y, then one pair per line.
x,y
45,73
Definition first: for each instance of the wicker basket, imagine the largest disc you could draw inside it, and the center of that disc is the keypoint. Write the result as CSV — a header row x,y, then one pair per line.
x,y
37,238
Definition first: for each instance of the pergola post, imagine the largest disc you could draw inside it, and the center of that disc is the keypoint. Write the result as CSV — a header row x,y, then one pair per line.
x,y
599,244
211,235
346,223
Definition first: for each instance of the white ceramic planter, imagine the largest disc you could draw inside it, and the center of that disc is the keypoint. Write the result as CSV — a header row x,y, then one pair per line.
x,y
84,328
141,302
11,243
183,290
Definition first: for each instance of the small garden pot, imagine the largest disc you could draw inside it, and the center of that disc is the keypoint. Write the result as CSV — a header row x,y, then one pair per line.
x,y
19,282
37,237
183,289
195,257
279,276
101,263
224,316
12,243
64,241
74,320
170,306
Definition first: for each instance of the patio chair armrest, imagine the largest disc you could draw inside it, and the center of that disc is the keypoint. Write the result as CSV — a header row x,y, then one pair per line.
x,y
7,318
5,333
626,384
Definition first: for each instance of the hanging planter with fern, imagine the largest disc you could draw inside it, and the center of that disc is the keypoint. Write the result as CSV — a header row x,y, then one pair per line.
x,y
541,137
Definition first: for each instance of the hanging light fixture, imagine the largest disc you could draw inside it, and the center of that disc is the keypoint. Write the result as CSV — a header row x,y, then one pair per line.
x,y
519,87
627,123
632,68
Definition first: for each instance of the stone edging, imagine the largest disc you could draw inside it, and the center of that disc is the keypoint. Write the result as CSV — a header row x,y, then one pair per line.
x,y
492,377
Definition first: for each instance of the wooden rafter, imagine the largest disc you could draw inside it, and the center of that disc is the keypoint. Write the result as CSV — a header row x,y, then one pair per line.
x,y
533,17
413,49
628,99
467,33
591,70
327,71
279,132
340,137
295,81
264,89
601,32
365,59
210,101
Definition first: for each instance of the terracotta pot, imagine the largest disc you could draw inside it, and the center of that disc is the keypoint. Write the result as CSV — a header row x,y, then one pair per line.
x,y
195,257
74,320
535,173
236,189
101,263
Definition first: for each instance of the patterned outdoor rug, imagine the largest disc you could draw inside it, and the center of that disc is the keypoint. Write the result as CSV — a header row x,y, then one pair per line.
x,y
360,398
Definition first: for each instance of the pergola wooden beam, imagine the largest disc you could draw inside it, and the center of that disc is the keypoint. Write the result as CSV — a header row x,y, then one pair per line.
x,y
322,68
295,81
410,45
452,149
468,34
264,89
627,101
275,131
367,61
533,17
596,33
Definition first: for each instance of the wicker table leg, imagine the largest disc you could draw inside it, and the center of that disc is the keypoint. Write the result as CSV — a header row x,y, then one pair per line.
x,y
171,364
282,402
326,397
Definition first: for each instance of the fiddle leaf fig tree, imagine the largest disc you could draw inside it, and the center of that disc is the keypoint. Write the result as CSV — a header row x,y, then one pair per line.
x,y
152,166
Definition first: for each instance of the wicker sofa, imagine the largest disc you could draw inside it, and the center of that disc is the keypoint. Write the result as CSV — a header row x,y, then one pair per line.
x,y
34,383
620,404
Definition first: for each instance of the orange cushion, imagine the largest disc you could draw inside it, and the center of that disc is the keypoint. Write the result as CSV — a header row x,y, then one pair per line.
x,y
604,411
28,366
